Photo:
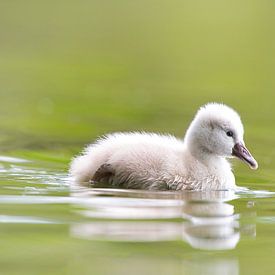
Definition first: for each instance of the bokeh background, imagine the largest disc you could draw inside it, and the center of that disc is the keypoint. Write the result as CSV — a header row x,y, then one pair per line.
x,y
73,70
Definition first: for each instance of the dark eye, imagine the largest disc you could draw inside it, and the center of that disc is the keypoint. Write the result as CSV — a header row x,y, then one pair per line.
x,y
229,133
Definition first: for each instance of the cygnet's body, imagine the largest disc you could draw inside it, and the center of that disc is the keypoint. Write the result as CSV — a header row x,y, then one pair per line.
x,y
163,162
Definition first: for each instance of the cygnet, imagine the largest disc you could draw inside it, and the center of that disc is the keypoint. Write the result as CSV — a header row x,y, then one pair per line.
x,y
151,161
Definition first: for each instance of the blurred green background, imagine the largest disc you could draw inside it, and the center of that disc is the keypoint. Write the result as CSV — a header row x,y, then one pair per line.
x,y
73,70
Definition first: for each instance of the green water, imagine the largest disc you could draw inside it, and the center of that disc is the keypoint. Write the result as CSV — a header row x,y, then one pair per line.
x,y
71,71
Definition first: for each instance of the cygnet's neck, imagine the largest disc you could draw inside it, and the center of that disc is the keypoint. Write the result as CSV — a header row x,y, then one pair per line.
x,y
202,154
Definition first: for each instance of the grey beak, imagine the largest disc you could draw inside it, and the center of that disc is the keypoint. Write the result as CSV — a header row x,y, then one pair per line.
x,y
243,154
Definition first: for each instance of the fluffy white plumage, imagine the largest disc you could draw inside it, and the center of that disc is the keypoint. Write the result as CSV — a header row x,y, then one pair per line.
x,y
163,162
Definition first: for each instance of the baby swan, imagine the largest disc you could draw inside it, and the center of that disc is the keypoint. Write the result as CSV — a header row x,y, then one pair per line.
x,y
163,162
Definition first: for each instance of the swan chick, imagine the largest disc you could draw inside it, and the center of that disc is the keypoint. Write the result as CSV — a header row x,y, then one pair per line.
x,y
139,160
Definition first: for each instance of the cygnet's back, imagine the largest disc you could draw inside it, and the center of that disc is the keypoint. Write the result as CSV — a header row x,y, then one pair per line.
x,y
130,160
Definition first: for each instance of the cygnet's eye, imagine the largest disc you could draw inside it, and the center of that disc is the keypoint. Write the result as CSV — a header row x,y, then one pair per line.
x,y
229,133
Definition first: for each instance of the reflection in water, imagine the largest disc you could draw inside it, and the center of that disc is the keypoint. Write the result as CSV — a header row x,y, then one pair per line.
x,y
198,236
203,219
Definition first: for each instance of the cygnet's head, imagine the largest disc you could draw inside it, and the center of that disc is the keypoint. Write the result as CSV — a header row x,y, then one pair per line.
x,y
217,130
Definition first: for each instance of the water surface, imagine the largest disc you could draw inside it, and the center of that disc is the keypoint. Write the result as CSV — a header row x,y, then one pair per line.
x,y
49,227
